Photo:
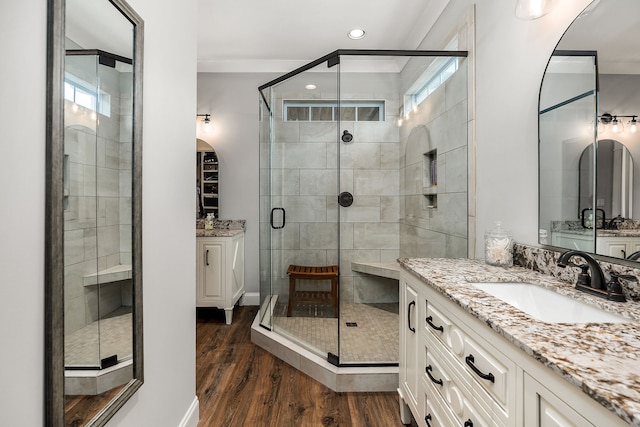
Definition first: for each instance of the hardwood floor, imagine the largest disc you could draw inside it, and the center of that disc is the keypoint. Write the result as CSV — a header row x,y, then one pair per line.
x,y
240,384
79,410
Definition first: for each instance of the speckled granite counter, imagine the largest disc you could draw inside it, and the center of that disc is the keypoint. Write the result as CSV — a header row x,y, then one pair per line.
x,y
602,232
603,360
221,228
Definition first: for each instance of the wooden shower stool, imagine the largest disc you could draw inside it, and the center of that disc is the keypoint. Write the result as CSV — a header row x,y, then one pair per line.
x,y
302,272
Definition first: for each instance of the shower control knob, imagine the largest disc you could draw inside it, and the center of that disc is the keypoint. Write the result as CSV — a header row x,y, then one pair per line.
x,y
345,199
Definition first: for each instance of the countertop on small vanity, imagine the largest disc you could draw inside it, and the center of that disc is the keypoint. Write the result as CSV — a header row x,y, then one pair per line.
x,y
601,359
221,228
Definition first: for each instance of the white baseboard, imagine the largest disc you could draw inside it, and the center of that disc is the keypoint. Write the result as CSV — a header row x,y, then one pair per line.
x,y
250,298
192,416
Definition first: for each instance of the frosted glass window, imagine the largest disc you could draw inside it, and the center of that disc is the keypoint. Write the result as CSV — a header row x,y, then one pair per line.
x,y
328,110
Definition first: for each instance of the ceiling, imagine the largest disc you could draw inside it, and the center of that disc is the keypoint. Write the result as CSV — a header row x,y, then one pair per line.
x,y
280,35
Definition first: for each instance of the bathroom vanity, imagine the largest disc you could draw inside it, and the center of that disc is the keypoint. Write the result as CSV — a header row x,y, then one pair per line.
x,y
613,243
220,265
468,358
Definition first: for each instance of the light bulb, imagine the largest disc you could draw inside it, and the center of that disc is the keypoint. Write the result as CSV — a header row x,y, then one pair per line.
x,y
74,107
207,126
93,115
634,125
616,126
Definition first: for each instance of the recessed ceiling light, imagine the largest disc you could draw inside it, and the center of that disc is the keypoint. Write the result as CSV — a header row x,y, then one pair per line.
x,y
356,34
310,87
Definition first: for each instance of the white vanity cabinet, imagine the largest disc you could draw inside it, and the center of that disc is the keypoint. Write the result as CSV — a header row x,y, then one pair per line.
x,y
542,408
581,242
409,334
220,272
471,376
619,247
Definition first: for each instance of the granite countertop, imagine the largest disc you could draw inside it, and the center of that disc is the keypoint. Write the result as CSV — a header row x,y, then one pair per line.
x,y
601,232
603,360
221,228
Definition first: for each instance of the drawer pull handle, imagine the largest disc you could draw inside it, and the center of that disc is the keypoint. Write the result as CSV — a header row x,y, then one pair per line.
x,y
430,323
428,369
426,420
206,257
470,359
468,423
411,304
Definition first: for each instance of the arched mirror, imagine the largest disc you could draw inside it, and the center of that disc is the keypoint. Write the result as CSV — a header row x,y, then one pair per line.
x,y
614,172
588,140
94,233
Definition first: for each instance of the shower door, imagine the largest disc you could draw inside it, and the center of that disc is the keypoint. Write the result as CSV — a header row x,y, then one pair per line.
x,y
299,205
98,155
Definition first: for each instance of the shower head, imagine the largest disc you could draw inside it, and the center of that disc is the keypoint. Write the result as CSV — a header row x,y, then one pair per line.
x,y
346,136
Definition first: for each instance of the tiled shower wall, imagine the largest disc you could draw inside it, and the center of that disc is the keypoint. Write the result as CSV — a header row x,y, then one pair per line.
x,y
304,171
439,229
98,202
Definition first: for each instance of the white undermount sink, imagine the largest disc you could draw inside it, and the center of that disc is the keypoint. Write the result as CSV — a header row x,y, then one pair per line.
x,y
547,305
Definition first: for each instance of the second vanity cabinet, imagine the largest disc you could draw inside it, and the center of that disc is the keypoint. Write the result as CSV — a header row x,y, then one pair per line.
x,y
220,272
456,371
619,247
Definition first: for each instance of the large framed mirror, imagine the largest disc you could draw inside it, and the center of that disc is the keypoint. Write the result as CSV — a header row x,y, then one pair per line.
x,y
94,360
589,145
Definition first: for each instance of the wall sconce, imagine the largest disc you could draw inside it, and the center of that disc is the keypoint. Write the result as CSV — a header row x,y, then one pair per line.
x,y
206,121
617,126
534,9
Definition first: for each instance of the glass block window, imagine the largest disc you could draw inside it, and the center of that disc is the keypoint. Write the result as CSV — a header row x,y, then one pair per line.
x,y
330,111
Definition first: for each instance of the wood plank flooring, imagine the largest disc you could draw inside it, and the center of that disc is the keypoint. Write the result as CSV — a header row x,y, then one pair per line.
x,y
240,384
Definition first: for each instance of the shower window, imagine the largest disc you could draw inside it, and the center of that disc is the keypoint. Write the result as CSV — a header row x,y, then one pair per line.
x,y
440,70
84,95
331,111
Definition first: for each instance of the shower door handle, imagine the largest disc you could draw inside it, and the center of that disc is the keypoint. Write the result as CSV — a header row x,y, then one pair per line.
x,y
283,218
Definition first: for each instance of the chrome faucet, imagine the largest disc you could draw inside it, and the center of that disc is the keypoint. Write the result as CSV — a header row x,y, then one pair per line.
x,y
591,278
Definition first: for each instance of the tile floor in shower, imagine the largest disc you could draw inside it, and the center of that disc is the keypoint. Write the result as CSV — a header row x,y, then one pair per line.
x,y
86,347
375,339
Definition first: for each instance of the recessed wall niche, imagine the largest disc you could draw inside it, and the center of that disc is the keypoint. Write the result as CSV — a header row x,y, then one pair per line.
x,y
430,179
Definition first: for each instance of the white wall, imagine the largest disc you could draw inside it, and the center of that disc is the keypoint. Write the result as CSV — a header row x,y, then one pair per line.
x,y
232,100
22,211
168,234
511,59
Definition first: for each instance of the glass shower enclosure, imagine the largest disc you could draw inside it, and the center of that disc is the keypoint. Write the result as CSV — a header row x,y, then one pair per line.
x,y
98,154
349,151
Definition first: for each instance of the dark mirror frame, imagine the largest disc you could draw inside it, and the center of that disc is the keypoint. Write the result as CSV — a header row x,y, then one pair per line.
x,y
54,219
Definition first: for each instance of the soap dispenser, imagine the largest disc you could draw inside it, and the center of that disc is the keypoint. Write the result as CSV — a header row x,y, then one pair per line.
x,y
208,223
498,246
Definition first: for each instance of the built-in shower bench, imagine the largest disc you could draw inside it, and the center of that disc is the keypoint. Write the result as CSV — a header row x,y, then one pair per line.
x,y
108,275
390,270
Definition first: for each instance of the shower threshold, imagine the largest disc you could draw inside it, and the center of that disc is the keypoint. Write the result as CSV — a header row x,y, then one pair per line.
x,y
337,378
97,381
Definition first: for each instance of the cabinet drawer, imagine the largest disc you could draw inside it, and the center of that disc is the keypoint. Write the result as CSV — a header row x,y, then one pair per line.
x,y
437,412
434,372
439,325
497,396
458,409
